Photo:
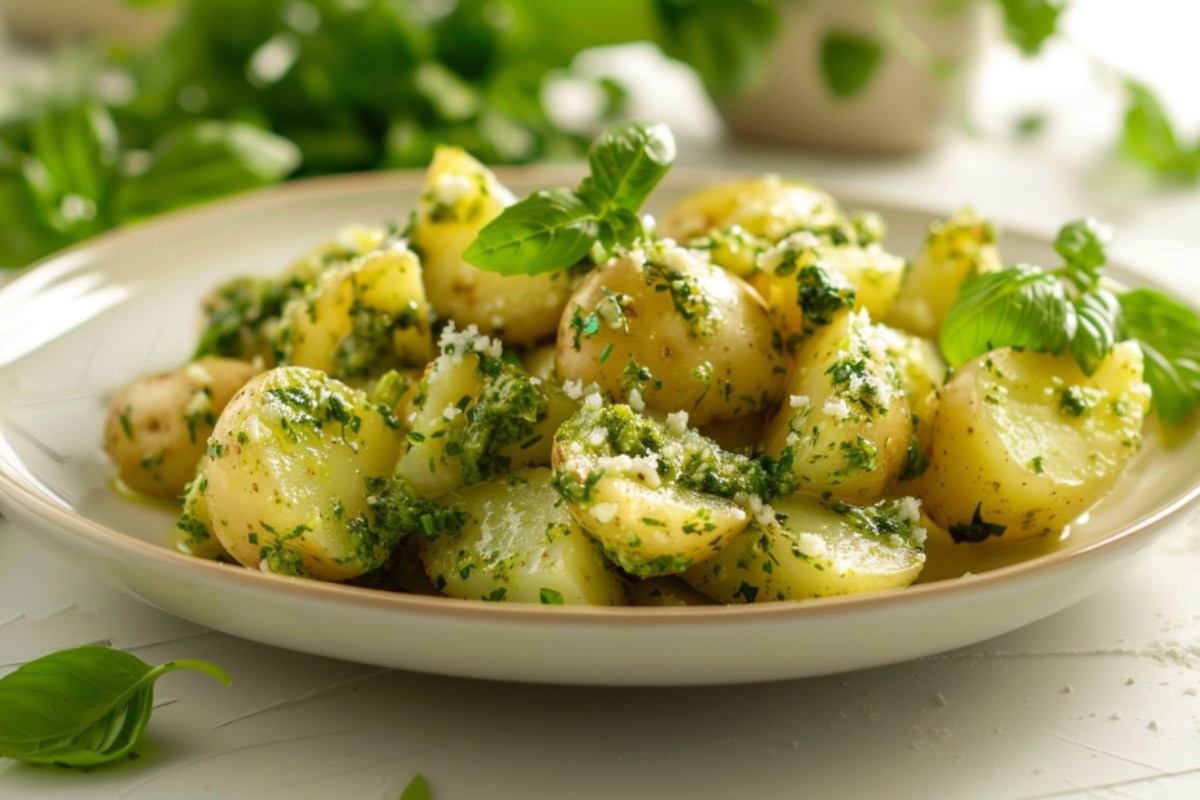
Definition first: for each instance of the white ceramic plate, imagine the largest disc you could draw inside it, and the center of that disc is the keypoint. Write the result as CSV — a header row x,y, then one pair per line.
x,y
93,318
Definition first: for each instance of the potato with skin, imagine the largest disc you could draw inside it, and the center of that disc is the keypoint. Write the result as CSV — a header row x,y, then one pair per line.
x,y
672,333
1023,443
361,318
814,549
765,207
657,497
845,424
520,546
287,475
158,426
458,198
475,417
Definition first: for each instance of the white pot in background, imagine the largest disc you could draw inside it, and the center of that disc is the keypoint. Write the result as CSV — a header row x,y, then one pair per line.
x,y
908,101
52,20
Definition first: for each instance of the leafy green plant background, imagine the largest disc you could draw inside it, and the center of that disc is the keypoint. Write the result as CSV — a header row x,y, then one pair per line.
x,y
244,94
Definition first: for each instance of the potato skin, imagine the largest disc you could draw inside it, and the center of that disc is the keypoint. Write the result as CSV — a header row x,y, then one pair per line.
x,y
287,470
703,336
765,207
157,427
1007,449
458,198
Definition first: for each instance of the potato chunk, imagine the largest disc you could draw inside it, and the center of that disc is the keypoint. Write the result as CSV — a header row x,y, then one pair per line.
x,y
520,545
670,332
1023,443
360,319
158,426
846,425
287,473
459,197
658,498
765,207
815,549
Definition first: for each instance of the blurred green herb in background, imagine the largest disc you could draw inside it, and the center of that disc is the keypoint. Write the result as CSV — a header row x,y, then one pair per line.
x,y
244,94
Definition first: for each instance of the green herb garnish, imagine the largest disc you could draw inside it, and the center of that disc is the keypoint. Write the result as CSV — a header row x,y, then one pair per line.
x,y
81,707
555,229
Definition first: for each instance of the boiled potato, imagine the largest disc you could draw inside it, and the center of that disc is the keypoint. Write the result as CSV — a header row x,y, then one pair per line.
x,y
672,333
657,497
242,316
158,426
956,249
459,197
288,466
814,549
1023,443
921,371
786,284
520,545
739,435
845,426
766,208
197,537
475,417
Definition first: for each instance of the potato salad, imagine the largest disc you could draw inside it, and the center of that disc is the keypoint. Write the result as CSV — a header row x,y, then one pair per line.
x,y
560,400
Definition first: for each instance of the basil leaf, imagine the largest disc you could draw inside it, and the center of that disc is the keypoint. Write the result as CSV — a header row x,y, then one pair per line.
x,y
627,162
1169,335
1029,23
417,789
847,62
204,160
1100,325
1020,306
546,231
1148,137
1083,246
81,707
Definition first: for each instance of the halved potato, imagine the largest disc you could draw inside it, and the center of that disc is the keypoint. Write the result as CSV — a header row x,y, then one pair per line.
x,y
520,545
814,549
1023,443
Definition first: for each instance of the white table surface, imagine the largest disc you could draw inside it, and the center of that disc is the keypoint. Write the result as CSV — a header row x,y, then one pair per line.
x,y
1099,701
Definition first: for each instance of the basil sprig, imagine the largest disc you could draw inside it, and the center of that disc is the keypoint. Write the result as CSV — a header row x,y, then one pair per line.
x,y
1068,310
81,707
553,230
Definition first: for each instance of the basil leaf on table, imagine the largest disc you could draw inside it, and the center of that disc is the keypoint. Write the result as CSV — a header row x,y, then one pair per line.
x,y
1169,335
81,707
417,789
1020,306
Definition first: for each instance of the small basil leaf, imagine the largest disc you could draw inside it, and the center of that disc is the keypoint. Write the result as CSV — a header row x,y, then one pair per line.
x,y
1100,324
977,530
627,162
205,160
417,788
1083,246
81,707
546,231
1169,335
1016,307
847,62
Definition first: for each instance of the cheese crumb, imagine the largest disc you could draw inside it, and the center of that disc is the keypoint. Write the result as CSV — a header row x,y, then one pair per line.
x,y
573,389
799,400
593,400
909,508
811,545
837,408
635,400
677,422
604,513
450,188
